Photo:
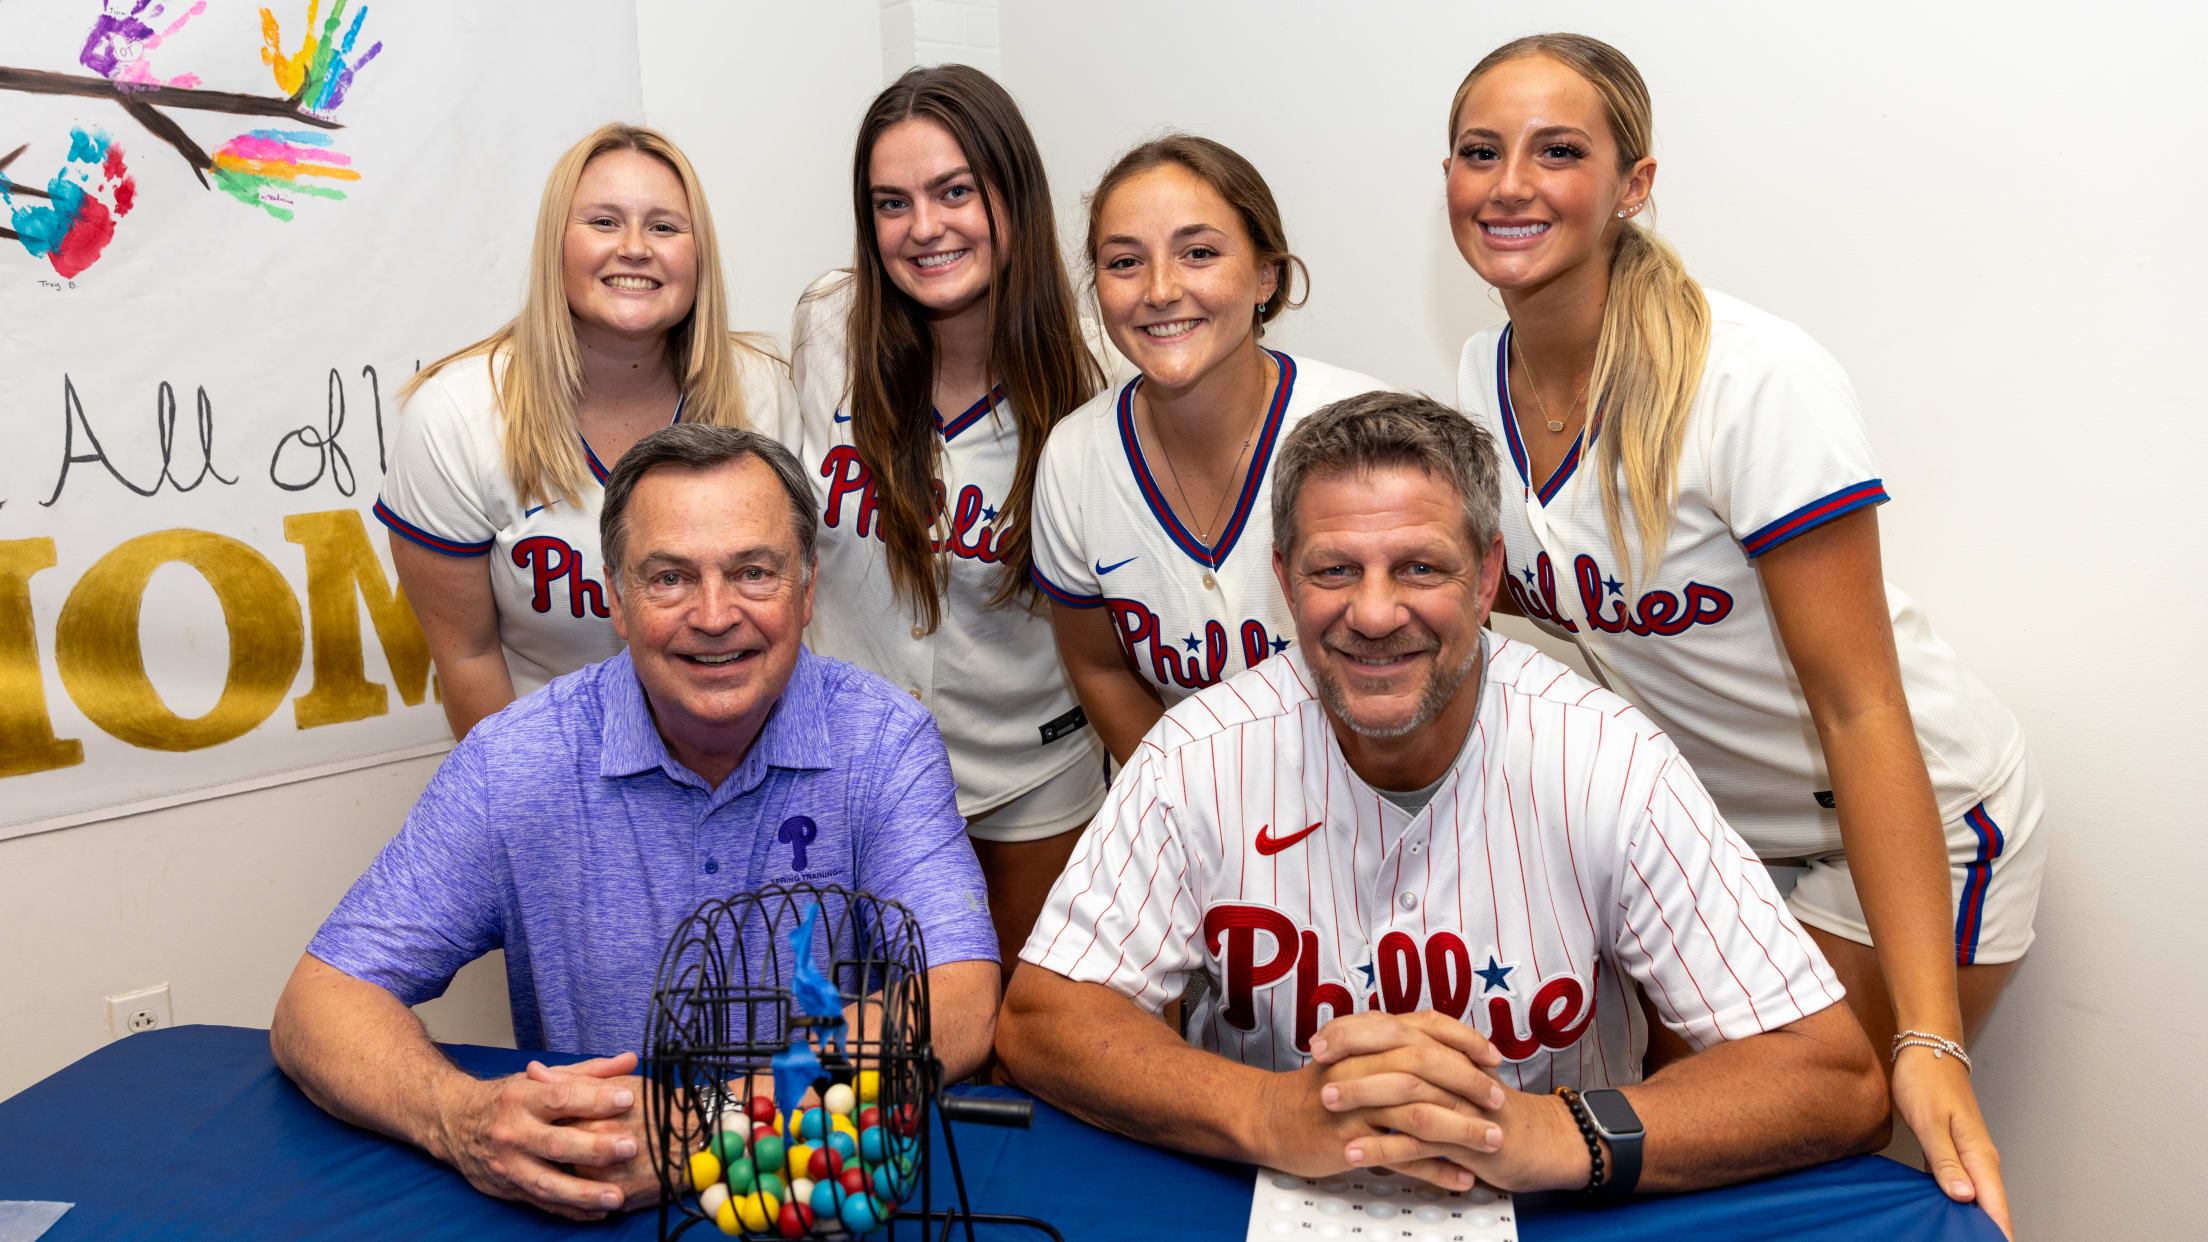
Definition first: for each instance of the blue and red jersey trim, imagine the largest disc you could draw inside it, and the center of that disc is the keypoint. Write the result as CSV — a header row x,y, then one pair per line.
x,y
1563,472
1060,594
1253,482
1977,878
972,414
435,543
598,469
1815,514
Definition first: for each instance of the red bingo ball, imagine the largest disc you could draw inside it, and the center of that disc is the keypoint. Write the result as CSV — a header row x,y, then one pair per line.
x,y
795,1220
869,1118
908,1119
827,1163
762,1108
853,1180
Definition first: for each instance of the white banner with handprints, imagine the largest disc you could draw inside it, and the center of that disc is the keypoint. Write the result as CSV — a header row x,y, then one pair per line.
x,y
228,233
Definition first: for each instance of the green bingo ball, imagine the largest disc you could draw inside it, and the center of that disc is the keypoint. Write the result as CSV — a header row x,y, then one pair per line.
x,y
741,1176
771,1183
727,1147
768,1152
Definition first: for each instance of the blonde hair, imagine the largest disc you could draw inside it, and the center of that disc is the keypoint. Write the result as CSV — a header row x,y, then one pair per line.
x,y
1655,320
541,384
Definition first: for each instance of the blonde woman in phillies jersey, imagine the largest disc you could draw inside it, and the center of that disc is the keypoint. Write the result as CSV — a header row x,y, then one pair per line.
x,y
1152,535
1697,511
495,474
928,376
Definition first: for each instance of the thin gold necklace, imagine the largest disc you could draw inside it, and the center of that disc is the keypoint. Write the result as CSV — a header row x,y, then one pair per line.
x,y
1556,425
1211,553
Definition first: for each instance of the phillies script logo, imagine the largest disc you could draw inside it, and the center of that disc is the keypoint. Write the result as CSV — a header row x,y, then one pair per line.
x,y
552,561
1258,948
971,535
1205,657
1659,612
797,832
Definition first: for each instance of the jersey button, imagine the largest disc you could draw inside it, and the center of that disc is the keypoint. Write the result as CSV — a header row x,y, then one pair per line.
x,y
919,631
1408,901
1414,847
713,866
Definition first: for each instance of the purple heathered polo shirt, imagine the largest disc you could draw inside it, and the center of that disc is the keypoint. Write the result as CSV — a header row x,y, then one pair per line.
x,y
562,831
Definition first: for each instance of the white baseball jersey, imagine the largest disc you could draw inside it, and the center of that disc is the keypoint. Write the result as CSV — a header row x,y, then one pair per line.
x,y
1569,847
447,490
1774,448
990,675
1106,538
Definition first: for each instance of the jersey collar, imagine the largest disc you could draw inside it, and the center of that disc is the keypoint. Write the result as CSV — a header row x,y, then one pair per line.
x,y
1518,456
972,414
1253,482
598,469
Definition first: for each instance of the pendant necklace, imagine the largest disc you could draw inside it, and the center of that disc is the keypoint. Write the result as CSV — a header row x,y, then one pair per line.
x,y
1556,425
1211,552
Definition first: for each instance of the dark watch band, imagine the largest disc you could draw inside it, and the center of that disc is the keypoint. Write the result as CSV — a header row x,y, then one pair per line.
x,y
1612,1117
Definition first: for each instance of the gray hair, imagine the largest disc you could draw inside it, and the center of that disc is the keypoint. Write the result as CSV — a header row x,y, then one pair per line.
x,y
1377,430
698,446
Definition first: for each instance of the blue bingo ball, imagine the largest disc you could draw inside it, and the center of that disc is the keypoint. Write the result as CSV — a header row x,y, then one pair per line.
x,y
872,1145
885,1182
811,1124
844,1145
828,1200
858,1214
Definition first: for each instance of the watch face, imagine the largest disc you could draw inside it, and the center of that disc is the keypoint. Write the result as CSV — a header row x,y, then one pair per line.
x,y
1612,1112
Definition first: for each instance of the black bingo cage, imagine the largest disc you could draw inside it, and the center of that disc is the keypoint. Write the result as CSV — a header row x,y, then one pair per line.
x,y
723,1007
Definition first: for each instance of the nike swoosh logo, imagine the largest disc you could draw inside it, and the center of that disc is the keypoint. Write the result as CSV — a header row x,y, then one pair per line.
x,y
534,512
1102,568
842,417
1269,845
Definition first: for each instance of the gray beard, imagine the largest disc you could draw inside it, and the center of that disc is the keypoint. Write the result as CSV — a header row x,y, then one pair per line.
x,y
1439,690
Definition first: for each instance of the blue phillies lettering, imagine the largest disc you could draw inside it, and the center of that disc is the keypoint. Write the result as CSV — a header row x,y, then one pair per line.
x,y
1196,667
972,535
1659,612
797,832
551,560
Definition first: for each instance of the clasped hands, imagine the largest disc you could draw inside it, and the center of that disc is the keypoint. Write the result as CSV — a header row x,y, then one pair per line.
x,y
1415,1092
568,1139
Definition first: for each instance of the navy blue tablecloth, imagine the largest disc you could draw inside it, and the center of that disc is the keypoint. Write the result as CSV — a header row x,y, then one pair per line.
x,y
193,1133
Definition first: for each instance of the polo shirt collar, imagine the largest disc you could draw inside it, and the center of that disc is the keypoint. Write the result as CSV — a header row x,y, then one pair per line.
x,y
795,735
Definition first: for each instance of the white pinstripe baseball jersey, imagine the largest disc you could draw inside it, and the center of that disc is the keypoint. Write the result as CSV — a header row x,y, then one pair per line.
x,y
1774,448
1106,538
1569,847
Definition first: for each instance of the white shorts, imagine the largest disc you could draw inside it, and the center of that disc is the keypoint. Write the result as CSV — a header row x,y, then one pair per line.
x,y
1995,854
1064,803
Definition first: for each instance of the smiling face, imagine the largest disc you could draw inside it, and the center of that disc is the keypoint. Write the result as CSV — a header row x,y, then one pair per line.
x,y
712,602
929,222
1534,186
1177,276
629,259
1388,593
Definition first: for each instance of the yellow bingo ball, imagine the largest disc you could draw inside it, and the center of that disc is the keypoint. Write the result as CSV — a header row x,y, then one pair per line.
x,y
801,1159
757,1212
725,1218
844,1125
870,1086
705,1169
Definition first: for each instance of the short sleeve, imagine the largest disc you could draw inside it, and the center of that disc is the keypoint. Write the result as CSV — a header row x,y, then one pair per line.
x,y
430,902
1059,569
1703,932
914,849
434,488
1788,452
770,401
1121,913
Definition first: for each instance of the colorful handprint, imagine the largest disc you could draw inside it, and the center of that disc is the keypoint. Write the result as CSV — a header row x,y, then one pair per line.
x,y
320,73
263,167
83,201
122,40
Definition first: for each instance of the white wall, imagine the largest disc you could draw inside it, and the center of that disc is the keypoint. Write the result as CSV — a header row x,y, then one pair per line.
x,y
1988,213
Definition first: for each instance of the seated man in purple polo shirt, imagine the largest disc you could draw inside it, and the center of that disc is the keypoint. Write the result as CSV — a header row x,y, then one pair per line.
x,y
577,828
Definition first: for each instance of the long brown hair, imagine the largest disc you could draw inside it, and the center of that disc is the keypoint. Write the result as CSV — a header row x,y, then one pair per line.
x,y
1655,323
1237,181
540,383
1036,351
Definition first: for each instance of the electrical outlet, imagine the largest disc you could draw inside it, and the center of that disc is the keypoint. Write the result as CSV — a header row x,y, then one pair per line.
x,y
146,1009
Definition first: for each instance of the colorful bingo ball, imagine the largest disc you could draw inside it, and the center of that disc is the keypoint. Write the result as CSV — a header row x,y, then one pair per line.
x,y
740,1175
840,1124
907,1120
873,1145
795,1220
825,1164
727,1147
757,1212
869,1118
885,1183
812,1123
711,1199
841,1100
705,1169
772,1184
725,1218
852,1180
827,1200
761,1108
870,1086
800,1158
858,1214
844,1145
801,1190
768,1153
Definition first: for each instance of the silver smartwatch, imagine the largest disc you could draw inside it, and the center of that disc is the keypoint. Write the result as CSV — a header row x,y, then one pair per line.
x,y
1620,1127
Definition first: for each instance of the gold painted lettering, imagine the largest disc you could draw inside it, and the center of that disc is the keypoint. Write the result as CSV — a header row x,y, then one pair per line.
x,y
340,560
27,741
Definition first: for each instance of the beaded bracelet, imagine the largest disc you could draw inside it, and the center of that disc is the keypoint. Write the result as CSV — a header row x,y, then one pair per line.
x,y
1939,1045
1587,1132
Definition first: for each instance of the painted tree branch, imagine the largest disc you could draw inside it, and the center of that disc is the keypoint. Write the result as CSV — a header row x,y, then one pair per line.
x,y
144,104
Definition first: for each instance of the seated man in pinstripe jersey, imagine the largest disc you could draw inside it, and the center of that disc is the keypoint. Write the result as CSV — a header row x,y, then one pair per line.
x,y
1426,870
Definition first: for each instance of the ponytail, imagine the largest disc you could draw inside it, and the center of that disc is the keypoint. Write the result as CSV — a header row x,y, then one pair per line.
x,y
1648,365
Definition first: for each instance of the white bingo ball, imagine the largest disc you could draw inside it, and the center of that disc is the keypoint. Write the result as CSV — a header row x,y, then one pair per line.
x,y
711,1199
801,1191
841,1100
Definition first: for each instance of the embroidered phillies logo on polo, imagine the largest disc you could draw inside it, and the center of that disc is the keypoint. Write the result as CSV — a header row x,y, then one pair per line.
x,y
797,832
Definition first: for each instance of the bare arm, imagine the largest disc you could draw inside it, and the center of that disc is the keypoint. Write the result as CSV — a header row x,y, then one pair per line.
x,y
452,597
363,1057
962,1009
1118,701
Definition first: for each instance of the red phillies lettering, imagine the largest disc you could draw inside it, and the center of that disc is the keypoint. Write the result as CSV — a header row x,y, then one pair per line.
x,y
550,560
847,474
1400,979
1239,925
1310,993
1448,973
972,534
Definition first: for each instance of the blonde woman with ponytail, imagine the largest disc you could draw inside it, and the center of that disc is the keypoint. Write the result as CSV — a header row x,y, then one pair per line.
x,y
493,486
1691,499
